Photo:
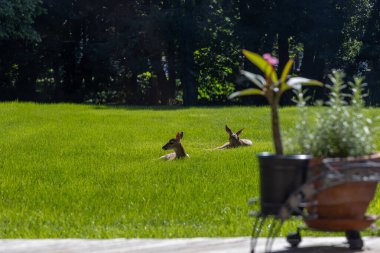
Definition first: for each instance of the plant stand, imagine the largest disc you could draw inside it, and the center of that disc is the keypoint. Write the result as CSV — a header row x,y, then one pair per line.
x,y
353,237
305,201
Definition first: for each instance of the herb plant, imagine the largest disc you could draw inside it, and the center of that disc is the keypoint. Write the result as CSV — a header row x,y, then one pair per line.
x,y
341,128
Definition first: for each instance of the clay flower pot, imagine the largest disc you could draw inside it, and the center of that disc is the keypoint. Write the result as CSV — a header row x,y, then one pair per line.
x,y
341,206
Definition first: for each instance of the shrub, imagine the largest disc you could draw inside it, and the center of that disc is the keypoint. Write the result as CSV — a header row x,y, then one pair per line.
x,y
341,128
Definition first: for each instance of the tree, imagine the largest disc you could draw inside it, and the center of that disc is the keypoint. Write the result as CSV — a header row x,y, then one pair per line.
x,y
370,53
17,44
173,51
17,19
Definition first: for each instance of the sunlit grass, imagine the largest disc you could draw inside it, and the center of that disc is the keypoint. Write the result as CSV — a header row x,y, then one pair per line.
x,y
93,171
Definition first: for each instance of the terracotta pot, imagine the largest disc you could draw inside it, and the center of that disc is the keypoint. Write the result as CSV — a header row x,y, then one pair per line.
x,y
345,201
341,203
338,225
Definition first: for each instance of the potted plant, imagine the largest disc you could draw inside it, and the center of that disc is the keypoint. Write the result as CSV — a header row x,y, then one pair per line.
x,y
340,136
279,174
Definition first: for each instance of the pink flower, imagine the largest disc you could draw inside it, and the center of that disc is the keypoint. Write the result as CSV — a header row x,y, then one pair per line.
x,y
270,59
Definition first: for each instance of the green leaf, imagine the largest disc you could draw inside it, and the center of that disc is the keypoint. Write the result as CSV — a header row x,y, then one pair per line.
x,y
262,64
286,70
256,79
297,82
246,92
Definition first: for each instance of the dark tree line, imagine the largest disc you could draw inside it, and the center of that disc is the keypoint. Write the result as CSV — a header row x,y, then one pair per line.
x,y
175,51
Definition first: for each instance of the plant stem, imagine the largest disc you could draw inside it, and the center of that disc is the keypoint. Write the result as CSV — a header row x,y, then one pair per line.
x,y
276,129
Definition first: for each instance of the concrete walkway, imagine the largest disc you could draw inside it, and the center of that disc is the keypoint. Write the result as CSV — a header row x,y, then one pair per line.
x,y
194,245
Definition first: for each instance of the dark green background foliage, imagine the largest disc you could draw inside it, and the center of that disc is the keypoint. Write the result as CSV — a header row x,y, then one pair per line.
x,y
176,51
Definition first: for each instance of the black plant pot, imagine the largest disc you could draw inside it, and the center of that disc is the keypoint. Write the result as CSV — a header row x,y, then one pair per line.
x,y
279,177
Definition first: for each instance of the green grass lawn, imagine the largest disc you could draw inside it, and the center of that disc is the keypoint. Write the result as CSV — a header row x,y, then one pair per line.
x,y
94,171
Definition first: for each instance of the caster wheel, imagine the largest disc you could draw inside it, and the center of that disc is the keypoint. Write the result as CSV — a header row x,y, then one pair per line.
x,y
293,239
354,240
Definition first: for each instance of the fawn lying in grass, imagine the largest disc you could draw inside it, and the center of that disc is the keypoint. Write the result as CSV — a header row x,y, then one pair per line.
x,y
234,140
175,144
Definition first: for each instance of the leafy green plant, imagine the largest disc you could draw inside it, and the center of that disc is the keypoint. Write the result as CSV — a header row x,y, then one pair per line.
x,y
272,87
215,79
299,139
341,129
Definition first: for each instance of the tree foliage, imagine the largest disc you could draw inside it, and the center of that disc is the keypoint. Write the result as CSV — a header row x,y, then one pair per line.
x,y
174,51
17,18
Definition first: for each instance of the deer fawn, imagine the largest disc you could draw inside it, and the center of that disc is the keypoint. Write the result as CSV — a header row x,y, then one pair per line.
x,y
175,144
234,140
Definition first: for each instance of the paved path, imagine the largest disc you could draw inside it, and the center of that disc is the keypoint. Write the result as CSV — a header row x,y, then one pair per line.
x,y
194,245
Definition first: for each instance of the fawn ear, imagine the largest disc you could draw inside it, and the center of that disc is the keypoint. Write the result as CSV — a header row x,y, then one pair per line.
x,y
179,136
228,130
239,132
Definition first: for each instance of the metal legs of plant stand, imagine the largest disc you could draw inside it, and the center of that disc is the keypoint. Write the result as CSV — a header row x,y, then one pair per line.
x,y
274,231
354,240
256,230
274,225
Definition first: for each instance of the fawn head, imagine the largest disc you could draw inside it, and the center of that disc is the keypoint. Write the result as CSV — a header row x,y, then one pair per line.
x,y
174,143
234,137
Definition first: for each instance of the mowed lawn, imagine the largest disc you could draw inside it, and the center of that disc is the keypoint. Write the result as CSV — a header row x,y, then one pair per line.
x,y
94,171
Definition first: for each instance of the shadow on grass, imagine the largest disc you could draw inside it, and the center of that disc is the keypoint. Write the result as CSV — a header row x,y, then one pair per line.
x,y
156,108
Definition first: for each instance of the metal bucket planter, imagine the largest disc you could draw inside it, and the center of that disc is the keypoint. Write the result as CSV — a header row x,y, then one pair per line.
x,y
279,177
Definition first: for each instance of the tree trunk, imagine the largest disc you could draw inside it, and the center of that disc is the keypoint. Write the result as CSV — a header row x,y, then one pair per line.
x,y
69,55
171,71
69,69
187,48
26,83
132,89
283,50
188,79
154,95
307,68
283,55
162,82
